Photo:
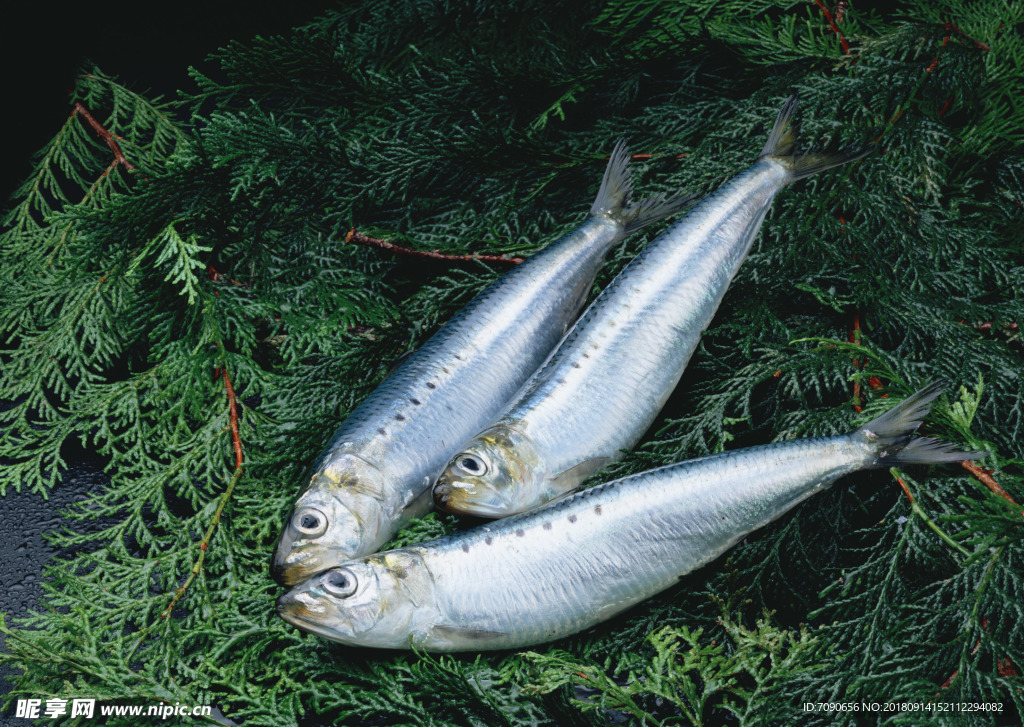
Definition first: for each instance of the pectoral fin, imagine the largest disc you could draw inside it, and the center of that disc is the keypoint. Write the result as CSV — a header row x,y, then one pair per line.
x,y
419,505
471,638
573,477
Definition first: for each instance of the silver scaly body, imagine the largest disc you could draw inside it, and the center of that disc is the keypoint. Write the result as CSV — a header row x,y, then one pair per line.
x,y
377,470
547,574
559,569
611,376
607,381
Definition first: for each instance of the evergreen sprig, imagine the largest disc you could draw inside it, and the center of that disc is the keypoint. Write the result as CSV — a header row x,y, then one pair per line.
x,y
163,248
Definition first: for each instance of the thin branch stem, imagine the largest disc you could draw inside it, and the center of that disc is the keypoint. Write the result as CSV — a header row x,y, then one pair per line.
x,y
835,28
239,462
235,439
655,156
109,139
916,509
952,28
949,28
361,239
985,478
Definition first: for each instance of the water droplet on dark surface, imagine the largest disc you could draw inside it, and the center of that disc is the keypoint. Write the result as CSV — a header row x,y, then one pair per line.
x,y
24,517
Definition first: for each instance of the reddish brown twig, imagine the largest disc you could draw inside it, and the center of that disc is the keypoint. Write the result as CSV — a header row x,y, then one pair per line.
x,y
985,478
906,490
236,443
835,28
952,28
656,156
361,239
109,139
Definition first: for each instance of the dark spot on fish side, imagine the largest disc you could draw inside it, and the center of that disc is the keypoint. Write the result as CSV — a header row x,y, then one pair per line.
x,y
561,381
431,385
457,357
520,533
572,518
597,509
575,365
399,417
465,548
415,401
586,355
547,526
381,431
445,370
488,540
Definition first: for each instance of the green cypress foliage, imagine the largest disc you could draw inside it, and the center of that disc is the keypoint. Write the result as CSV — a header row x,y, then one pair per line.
x,y
175,269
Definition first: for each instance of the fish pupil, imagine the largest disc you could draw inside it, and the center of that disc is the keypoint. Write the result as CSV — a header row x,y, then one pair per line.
x,y
309,522
338,580
470,465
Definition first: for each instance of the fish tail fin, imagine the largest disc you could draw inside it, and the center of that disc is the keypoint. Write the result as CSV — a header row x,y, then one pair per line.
x,y
614,197
891,436
782,143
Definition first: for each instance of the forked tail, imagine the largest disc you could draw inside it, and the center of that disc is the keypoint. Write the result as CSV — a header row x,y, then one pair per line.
x,y
782,141
614,199
892,438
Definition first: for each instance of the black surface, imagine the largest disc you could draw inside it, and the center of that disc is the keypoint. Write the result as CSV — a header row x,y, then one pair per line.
x,y
24,517
148,47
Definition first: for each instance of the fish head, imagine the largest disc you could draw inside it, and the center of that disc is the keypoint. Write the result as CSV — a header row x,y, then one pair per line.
x,y
498,473
342,514
383,600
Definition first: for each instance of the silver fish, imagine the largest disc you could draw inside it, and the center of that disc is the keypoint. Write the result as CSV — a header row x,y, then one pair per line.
x,y
604,386
562,568
377,470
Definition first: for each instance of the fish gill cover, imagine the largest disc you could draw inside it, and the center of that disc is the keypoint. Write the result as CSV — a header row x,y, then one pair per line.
x,y
180,291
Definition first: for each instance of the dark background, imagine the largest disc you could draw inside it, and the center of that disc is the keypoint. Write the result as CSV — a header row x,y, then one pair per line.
x,y
42,48
43,45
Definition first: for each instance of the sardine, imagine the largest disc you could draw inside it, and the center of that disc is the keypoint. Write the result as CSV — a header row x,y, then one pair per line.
x,y
377,470
607,381
576,562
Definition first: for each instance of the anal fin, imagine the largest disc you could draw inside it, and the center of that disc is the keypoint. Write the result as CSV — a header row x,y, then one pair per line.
x,y
573,477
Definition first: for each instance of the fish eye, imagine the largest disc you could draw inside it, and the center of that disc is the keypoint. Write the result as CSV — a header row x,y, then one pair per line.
x,y
340,582
471,464
310,522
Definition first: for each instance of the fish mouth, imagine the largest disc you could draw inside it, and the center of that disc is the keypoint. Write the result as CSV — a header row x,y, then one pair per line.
x,y
289,576
292,610
463,498
289,567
